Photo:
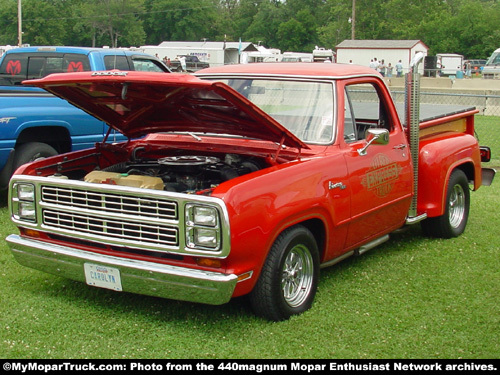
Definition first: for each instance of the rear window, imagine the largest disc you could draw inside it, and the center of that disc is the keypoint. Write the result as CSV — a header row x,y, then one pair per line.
x,y
16,68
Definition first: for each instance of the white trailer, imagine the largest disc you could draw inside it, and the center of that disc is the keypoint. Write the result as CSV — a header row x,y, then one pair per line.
x,y
215,53
449,63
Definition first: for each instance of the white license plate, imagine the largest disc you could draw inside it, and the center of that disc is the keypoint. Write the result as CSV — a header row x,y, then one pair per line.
x,y
103,276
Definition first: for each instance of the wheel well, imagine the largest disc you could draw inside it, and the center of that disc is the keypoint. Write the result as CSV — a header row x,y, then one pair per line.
x,y
55,136
468,169
317,228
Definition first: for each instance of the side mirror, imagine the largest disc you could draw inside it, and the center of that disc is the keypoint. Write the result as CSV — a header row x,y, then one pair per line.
x,y
376,137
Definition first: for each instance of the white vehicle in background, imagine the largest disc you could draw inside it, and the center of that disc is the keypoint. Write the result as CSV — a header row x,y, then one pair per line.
x,y
449,63
321,54
492,68
297,57
4,49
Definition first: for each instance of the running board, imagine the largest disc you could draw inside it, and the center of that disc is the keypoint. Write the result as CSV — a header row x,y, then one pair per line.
x,y
363,249
370,245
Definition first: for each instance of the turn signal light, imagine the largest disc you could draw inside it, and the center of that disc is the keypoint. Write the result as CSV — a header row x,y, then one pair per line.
x,y
31,233
208,262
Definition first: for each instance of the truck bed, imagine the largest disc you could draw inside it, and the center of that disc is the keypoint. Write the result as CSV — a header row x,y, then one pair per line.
x,y
430,112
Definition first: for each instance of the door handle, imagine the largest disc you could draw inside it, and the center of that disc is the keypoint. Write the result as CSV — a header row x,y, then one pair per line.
x,y
402,146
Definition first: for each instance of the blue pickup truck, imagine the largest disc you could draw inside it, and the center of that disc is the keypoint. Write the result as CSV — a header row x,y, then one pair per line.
x,y
34,123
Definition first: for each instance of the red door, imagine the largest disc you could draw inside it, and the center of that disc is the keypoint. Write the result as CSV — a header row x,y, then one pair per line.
x,y
380,179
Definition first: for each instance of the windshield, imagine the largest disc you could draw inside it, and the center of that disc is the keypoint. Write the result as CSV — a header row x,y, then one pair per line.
x,y
304,108
494,59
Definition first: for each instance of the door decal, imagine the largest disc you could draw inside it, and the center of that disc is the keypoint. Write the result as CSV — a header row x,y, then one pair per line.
x,y
381,176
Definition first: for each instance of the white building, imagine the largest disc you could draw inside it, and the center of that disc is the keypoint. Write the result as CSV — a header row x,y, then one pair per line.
x,y
215,53
361,52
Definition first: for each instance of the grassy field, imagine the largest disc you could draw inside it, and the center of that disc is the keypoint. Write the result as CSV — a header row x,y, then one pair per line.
x,y
412,297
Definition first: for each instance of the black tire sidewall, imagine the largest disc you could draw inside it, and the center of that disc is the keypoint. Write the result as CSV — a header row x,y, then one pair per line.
x,y
267,297
440,226
458,177
31,151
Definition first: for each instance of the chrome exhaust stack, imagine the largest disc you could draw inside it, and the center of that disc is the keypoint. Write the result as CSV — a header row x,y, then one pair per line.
x,y
412,122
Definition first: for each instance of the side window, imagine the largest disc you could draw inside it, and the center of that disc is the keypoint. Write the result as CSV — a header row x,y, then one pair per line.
x,y
14,69
146,65
364,109
116,62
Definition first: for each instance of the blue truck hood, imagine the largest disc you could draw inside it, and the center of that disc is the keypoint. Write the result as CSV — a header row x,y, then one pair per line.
x,y
138,103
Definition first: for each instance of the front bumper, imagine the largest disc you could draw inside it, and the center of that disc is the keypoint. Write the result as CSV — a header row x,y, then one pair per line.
x,y
153,279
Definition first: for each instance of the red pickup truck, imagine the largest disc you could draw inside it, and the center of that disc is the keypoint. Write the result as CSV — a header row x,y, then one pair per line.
x,y
242,180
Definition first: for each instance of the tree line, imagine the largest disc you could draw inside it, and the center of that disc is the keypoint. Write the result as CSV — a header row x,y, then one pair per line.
x,y
467,27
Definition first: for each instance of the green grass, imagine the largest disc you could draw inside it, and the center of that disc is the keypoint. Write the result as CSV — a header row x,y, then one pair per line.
x,y
412,297
488,134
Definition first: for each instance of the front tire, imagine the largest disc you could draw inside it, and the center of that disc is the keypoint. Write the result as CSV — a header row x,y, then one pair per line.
x,y
454,220
31,151
289,279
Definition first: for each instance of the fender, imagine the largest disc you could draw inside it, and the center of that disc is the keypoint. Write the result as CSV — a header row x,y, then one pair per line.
x,y
258,214
440,154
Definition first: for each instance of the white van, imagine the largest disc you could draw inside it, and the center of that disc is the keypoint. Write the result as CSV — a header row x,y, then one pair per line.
x,y
492,68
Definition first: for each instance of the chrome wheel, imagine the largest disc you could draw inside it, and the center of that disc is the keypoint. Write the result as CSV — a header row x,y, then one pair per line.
x,y
289,278
456,208
453,221
297,277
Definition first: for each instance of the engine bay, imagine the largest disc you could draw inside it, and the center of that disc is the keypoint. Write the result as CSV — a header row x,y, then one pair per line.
x,y
182,174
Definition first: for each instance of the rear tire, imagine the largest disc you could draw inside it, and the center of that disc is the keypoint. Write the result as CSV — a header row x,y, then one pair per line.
x,y
289,279
454,220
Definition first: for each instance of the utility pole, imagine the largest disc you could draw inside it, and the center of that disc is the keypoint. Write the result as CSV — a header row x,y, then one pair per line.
x,y
353,20
19,24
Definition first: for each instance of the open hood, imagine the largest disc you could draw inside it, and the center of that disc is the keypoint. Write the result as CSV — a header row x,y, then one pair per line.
x,y
138,103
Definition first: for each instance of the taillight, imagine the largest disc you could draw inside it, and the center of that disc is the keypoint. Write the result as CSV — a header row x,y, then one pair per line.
x,y
485,153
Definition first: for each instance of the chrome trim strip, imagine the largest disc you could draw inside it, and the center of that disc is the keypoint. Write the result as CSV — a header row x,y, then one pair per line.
x,y
153,279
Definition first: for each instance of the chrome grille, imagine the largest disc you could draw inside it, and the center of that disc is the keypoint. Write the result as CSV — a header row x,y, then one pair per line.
x,y
113,203
123,230
121,218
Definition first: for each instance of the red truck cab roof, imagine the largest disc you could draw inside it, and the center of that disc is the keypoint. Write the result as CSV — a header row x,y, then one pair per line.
x,y
292,69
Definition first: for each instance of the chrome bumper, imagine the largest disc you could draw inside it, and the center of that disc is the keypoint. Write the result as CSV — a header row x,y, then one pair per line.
x,y
153,279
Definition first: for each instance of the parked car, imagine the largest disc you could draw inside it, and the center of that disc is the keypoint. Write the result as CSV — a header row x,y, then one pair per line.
x,y
476,66
492,67
38,124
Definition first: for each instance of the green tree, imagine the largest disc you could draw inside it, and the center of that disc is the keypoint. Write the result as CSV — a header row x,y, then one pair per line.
x,y
44,22
174,20
265,24
8,22
298,33
109,22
